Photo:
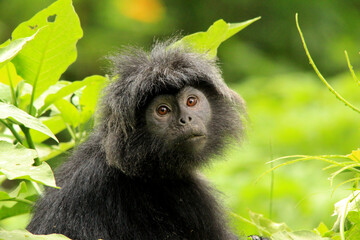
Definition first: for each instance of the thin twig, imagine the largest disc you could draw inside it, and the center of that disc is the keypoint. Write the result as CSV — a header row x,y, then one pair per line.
x,y
318,72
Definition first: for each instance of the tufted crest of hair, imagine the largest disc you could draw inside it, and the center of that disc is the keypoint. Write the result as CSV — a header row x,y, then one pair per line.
x,y
140,76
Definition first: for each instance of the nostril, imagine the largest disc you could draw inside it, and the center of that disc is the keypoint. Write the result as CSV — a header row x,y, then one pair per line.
x,y
190,119
182,121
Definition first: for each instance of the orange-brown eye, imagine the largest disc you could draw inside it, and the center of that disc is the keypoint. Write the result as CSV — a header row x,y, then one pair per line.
x,y
162,110
192,101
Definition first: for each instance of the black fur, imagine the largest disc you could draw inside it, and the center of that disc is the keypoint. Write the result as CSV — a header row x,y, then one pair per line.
x,y
123,183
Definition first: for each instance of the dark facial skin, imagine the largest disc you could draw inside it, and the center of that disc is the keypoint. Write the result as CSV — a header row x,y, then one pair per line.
x,y
181,119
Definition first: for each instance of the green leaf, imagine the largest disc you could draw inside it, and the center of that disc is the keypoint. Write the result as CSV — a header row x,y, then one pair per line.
x,y
10,209
355,155
47,152
298,235
353,233
56,124
43,60
267,224
53,89
354,217
321,229
89,97
5,95
344,206
69,112
19,190
17,163
71,88
25,235
5,75
209,41
9,51
14,113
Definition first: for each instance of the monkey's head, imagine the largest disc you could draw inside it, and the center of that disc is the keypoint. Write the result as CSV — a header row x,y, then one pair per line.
x,y
167,112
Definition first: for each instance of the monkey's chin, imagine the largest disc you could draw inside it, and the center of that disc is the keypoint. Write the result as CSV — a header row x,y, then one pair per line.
x,y
195,143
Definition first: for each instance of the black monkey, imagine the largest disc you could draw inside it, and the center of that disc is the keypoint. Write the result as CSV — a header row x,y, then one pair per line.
x,y
135,178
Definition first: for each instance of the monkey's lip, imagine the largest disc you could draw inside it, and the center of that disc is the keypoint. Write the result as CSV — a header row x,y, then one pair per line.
x,y
194,137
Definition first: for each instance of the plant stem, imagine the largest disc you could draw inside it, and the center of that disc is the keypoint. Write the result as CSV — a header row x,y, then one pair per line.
x,y
271,183
13,95
13,131
351,69
30,142
318,72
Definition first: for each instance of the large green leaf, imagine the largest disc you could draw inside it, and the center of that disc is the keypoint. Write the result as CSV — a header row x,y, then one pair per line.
x,y
17,163
209,41
13,48
14,113
71,88
43,60
25,235
69,112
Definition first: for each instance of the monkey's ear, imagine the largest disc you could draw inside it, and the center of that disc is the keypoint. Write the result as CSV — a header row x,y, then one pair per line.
x,y
112,142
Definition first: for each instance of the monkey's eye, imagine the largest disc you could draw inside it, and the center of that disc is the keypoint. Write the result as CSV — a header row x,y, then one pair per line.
x,y
163,110
192,101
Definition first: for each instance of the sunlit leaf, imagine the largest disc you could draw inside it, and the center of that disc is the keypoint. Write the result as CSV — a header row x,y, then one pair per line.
x,y
69,112
355,155
209,41
9,72
14,113
16,162
89,97
344,206
5,95
297,235
43,60
9,51
56,124
270,226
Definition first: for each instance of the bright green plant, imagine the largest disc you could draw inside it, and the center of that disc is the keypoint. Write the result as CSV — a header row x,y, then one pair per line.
x,y
35,104
347,225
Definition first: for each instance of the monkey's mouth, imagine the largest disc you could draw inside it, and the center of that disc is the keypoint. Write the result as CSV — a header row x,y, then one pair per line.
x,y
194,137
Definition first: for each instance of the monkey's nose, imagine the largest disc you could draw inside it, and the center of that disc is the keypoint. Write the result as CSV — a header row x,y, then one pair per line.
x,y
184,120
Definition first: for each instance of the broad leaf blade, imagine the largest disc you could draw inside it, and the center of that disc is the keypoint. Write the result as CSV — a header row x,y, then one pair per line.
x,y
43,60
209,41
10,111
16,163
69,112
13,48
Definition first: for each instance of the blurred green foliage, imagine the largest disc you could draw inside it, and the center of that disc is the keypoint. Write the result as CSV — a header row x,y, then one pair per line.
x,y
290,110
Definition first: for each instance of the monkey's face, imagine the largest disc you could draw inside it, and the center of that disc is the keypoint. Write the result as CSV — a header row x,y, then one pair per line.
x,y
181,120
